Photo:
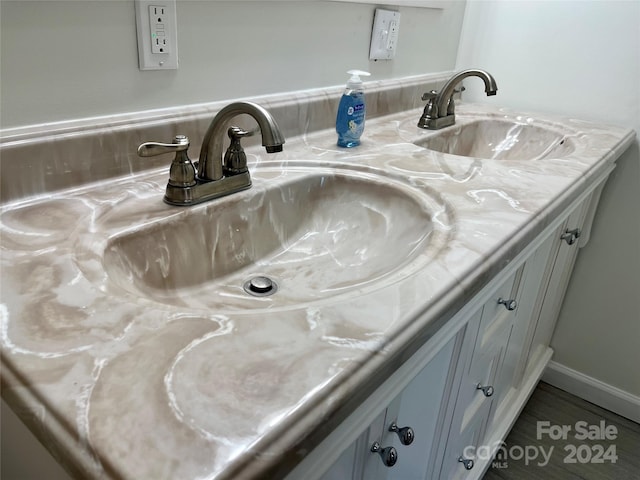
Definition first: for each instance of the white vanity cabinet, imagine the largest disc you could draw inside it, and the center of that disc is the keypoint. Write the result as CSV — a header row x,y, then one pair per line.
x,y
472,390
511,347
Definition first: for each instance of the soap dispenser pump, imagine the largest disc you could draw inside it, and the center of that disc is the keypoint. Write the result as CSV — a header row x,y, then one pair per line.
x,y
351,111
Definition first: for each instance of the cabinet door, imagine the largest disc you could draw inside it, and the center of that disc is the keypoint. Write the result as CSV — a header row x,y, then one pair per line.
x,y
343,468
511,372
532,286
370,464
418,407
563,255
357,462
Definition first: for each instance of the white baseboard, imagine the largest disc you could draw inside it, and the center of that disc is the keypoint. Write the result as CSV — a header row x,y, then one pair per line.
x,y
592,390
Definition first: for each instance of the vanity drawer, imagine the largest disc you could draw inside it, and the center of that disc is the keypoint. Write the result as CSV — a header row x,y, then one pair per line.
x,y
461,454
477,385
499,310
489,332
494,330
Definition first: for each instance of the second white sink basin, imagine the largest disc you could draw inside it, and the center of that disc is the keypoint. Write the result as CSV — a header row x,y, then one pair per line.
x,y
499,140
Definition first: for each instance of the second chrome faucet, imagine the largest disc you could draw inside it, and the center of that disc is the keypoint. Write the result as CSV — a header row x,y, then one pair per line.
x,y
439,111
213,175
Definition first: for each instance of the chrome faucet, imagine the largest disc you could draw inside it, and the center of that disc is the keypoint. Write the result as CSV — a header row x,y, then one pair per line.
x,y
213,175
440,109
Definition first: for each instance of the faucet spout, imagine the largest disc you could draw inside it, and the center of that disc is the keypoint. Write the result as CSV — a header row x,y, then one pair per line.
x,y
447,91
210,162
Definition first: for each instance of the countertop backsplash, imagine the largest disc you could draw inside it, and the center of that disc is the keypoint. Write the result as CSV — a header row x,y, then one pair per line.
x,y
41,159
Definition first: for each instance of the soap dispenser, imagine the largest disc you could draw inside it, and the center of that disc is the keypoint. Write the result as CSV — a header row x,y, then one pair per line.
x,y
351,111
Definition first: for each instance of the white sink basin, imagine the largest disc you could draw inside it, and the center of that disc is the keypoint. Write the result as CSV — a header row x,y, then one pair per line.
x,y
316,236
499,140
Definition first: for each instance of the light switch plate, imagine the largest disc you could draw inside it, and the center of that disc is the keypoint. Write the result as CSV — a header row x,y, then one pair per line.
x,y
156,25
384,35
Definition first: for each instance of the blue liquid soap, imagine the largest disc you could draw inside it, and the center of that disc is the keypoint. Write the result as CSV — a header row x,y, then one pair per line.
x,y
351,112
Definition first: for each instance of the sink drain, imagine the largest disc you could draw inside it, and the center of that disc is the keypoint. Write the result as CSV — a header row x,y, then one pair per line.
x,y
260,286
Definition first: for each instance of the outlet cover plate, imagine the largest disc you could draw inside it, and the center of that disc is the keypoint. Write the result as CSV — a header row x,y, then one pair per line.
x,y
384,35
149,55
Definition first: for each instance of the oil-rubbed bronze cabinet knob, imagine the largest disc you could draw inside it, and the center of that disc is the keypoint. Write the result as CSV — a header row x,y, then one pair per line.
x,y
486,389
389,455
467,462
508,304
405,434
570,236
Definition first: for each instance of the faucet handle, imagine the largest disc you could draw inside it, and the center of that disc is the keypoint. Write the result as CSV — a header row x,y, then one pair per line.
x,y
151,149
430,95
235,160
182,172
430,109
237,132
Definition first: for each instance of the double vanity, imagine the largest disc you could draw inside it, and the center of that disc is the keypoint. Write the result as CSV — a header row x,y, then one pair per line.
x,y
371,313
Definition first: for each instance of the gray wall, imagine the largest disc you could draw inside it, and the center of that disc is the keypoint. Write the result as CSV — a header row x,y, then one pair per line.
x,y
73,59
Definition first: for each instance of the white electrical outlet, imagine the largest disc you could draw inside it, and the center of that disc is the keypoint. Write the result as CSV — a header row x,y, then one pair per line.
x,y
157,34
384,35
158,28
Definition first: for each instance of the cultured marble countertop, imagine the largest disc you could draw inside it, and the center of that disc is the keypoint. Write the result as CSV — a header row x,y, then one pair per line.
x,y
205,382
